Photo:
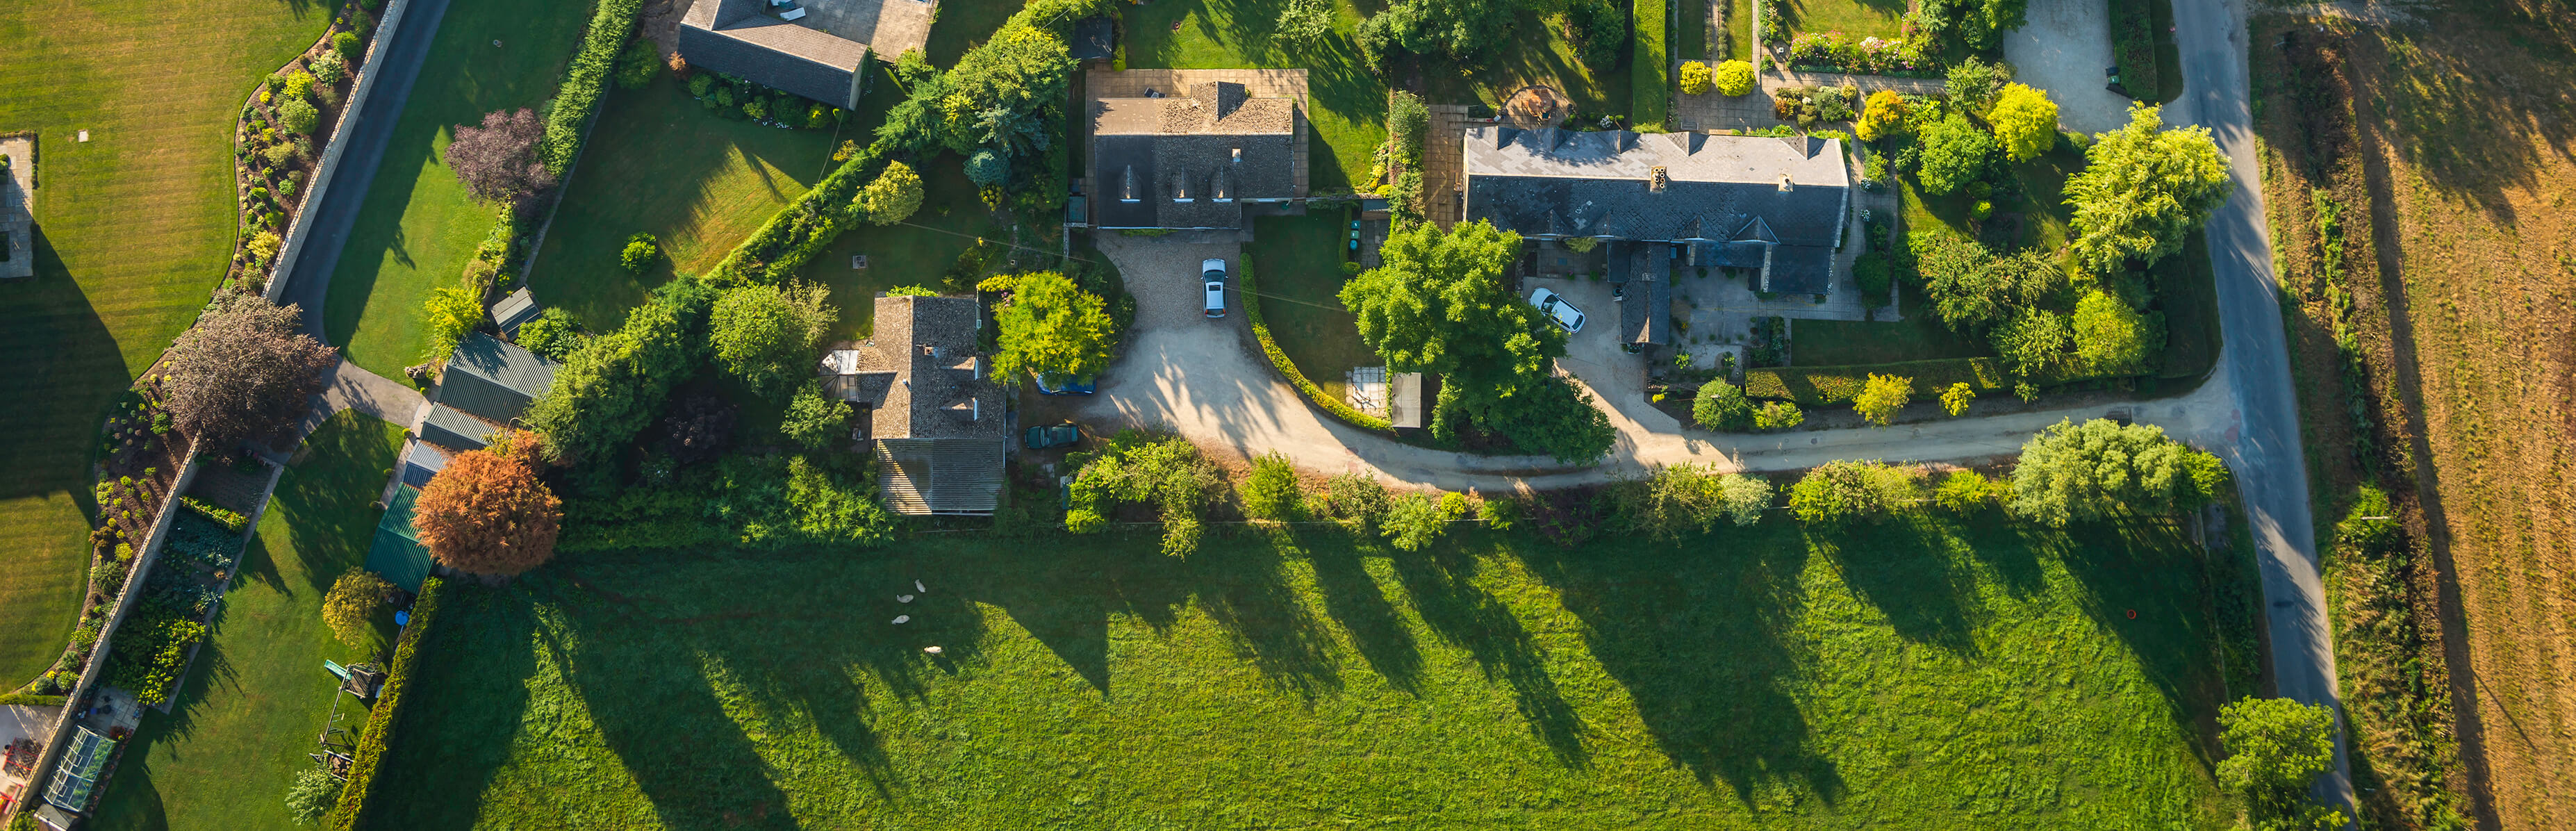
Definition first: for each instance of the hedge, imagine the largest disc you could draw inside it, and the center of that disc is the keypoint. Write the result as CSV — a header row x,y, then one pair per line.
x,y
2133,46
1820,386
1650,71
32,700
347,816
585,79
803,228
1279,360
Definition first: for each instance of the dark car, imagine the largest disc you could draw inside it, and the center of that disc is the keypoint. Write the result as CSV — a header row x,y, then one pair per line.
x,y
1060,385
1049,437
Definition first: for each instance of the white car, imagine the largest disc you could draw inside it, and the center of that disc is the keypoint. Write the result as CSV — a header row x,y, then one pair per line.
x,y
1212,272
1564,314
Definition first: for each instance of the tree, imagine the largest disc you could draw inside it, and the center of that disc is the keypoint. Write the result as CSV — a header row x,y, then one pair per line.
x,y
2025,122
298,116
638,253
1139,467
313,795
699,429
2031,341
814,420
1302,25
2142,190
1272,491
450,313
1882,397
615,384
1974,84
245,371
1882,116
1955,153
1840,491
1955,399
892,197
553,334
486,513
1054,329
1722,406
1964,491
2098,468
498,161
767,335
1972,289
1356,497
1415,520
1021,71
1777,415
1734,78
2112,338
353,599
2275,748
1696,79
1691,497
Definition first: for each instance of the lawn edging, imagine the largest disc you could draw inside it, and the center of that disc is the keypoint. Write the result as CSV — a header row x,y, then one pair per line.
x,y
1650,69
350,813
323,173
1279,361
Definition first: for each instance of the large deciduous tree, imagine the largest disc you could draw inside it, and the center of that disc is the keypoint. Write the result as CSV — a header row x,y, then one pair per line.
x,y
2143,188
486,512
616,383
2025,121
1054,329
2098,468
245,371
2276,747
2112,338
498,161
1955,153
1841,491
1972,289
767,335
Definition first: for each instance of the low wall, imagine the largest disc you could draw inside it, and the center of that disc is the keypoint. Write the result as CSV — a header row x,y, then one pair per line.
x,y
322,173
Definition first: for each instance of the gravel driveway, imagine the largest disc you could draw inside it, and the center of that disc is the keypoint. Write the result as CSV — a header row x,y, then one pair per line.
x,y
2063,49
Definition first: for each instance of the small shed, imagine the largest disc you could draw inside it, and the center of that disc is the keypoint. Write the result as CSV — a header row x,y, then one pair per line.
x,y
397,553
520,307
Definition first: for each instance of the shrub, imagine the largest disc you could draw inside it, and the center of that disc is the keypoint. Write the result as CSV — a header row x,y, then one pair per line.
x,y
329,67
1408,123
347,44
1882,397
1973,84
1964,491
1733,78
1955,398
891,198
1822,386
755,109
312,795
1139,467
231,520
1873,273
768,335
262,248
638,253
1694,498
1415,520
637,65
2025,122
1695,78
299,86
553,334
583,79
1778,415
1955,153
1330,404
814,420
1053,328
1302,25
1840,492
297,116
1721,406
1273,491
1883,116
1357,498
150,651
353,599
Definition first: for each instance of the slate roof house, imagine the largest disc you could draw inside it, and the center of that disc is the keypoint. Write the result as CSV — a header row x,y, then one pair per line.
x,y
816,51
1191,161
1773,205
929,404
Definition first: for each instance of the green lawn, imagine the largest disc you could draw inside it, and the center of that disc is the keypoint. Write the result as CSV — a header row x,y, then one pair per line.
x,y
1690,40
1928,673
1346,104
133,229
257,695
658,161
962,24
915,253
1299,261
1538,54
1739,30
2046,218
418,226
1857,18
1919,337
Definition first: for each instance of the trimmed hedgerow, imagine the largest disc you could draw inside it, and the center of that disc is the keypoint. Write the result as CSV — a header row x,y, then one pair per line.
x,y
803,228
351,812
1821,386
1279,360
586,79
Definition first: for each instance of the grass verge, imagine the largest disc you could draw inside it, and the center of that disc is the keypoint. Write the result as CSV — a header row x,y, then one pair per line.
x,y
418,226
133,228
1280,679
257,695
1857,18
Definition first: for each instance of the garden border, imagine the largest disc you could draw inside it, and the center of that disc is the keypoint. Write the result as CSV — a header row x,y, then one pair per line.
x,y
293,248
1250,289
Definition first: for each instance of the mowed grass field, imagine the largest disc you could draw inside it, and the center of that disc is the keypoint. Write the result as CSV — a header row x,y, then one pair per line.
x,y
257,696
418,226
133,229
1932,672
1346,104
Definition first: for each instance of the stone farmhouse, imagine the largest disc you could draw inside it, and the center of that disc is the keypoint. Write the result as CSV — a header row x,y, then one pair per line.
x,y
813,48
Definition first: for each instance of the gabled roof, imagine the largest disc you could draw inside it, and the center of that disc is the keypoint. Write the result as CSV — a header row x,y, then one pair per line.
x,y
455,429
520,307
921,371
1186,161
1605,184
806,57
493,380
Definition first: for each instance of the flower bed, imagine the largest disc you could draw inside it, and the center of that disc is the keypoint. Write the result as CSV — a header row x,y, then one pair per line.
x,y
1838,52
275,146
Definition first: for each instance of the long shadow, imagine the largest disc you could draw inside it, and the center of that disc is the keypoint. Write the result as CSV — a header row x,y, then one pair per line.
x,y
2494,75
663,720
329,509
1694,636
1442,584
1066,602
2144,582
1352,598
1242,588
1904,568
469,702
64,373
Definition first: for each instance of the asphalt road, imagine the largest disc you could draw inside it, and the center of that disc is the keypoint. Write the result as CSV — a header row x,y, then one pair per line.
x,y
2271,469
309,285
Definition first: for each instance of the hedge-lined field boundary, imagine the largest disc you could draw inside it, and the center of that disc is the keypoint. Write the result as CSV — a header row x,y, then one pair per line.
x,y
1820,386
350,814
1650,69
1251,291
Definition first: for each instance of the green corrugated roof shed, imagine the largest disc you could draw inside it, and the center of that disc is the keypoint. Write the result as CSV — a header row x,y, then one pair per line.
x,y
492,379
450,427
397,553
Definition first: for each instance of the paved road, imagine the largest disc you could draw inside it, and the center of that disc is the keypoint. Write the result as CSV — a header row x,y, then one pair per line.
x,y
2271,469
363,149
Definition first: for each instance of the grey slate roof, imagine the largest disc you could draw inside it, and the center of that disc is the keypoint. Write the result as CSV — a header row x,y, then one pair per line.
x,y
493,380
1799,269
1187,161
934,409
1646,307
736,37
423,464
1553,182
940,476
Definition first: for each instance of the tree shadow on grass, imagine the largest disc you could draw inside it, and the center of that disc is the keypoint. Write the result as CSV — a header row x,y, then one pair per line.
x,y
329,503
1354,600
467,701
1065,598
2147,565
1904,567
1243,588
1442,583
1693,634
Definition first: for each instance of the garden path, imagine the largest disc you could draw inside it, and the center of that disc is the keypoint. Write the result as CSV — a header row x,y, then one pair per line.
x,y
347,386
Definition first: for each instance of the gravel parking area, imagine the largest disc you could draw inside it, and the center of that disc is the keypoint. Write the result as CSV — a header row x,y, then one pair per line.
x,y
2063,50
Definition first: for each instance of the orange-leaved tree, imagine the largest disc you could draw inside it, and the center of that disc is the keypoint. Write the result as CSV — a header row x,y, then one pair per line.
x,y
487,513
